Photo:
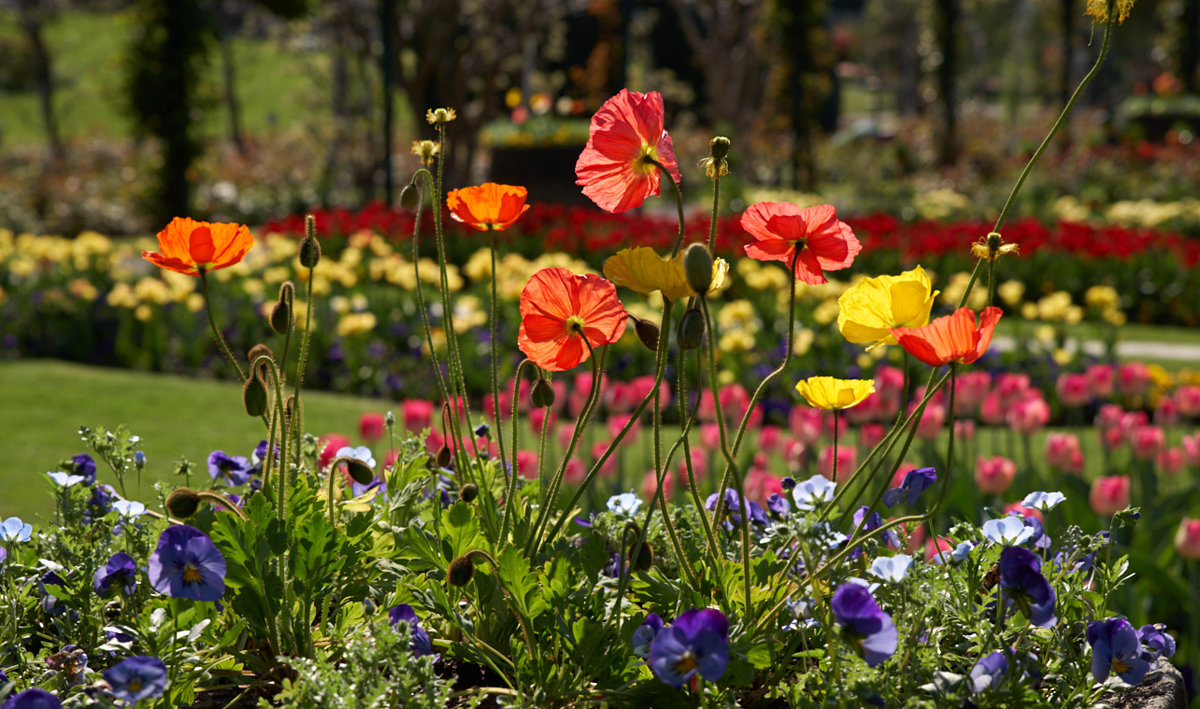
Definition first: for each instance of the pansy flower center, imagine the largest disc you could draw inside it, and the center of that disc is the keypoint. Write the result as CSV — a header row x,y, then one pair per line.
x,y
1119,666
191,574
135,685
686,663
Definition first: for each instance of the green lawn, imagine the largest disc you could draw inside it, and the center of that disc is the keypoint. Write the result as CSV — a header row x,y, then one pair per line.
x,y
45,402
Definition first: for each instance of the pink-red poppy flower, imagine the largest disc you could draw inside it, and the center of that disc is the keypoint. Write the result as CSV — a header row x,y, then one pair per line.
x,y
559,309
616,168
952,338
778,229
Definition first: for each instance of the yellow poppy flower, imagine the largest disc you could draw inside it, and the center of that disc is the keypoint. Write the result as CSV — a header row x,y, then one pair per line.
x,y
641,269
834,393
873,306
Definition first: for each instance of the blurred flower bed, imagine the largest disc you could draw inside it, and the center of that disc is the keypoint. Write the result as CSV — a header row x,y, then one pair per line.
x,y
93,299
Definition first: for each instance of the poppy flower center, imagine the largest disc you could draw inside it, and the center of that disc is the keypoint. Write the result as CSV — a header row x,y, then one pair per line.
x,y
191,574
687,663
575,325
645,162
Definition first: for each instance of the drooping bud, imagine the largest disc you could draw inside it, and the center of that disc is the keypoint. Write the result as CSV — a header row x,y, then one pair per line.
x,y
281,313
647,333
691,329
468,492
409,197
461,571
254,396
542,394
644,559
698,268
443,456
183,503
310,247
260,350
360,472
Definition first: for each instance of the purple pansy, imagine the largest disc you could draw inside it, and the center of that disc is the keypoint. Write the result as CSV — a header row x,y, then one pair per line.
x,y
420,643
733,505
85,466
644,635
358,489
915,482
1023,584
697,643
870,521
1116,648
49,600
32,699
779,506
99,503
3,556
233,469
120,573
989,671
871,631
186,564
136,678
1156,643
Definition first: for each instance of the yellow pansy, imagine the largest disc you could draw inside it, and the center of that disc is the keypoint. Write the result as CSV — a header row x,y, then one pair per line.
x,y
871,307
834,393
641,269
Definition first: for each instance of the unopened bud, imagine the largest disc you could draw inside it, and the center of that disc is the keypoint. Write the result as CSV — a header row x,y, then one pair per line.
x,y
647,333
468,492
409,197
360,472
461,571
259,350
310,247
691,329
254,396
542,395
698,268
281,313
443,456
644,559
718,147
183,503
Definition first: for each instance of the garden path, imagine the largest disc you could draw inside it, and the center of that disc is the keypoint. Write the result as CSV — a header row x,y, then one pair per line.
x,y
1133,349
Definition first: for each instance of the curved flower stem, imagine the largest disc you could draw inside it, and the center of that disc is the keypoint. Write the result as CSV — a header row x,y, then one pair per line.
x,y
494,351
302,362
218,499
714,549
511,492
421,307
949,450
212,324
730,463
550,497
836,422
762,386
712,226
678,204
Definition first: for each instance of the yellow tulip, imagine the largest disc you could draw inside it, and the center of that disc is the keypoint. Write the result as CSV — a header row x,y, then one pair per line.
x,y
834,393
871,307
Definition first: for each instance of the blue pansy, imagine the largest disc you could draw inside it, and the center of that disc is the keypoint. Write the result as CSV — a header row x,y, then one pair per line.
x,y
1023,584
779,506
811,492
1044,501
1116,649
1156,643
186,564
234,470
65,480
871,631
85,466
733,506
419,641
119,574
645,633
989,671
891,568
697,643
136,678
915,482
1007,531
32,699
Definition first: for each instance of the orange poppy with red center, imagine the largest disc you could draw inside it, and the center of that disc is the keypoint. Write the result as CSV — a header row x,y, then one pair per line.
x,y
779,229
617,167
190,247
562,313
951,338
488,206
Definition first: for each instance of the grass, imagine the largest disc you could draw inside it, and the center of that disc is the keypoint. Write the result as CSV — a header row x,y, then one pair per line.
x,y
47,401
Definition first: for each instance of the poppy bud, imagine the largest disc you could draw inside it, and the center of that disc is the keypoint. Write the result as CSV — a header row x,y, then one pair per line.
x,y
310,248
183,503
254,396
409,197
542,395
260,350
461,571
647,332
697,267
644,559
443,456
359,471
691,329
281,313
718,147
468,492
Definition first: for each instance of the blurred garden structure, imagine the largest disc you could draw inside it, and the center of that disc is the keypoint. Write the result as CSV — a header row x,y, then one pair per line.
x,y
117,114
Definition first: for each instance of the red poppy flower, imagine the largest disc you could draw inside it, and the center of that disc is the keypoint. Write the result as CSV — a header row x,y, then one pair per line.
x,y
614,168
488,206
189,246
952,338
559,309
779,228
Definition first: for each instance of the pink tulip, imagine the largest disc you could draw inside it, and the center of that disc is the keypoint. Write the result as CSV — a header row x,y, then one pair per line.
x,y
1148,442
1187,399
992,409
1191,450
1109,416
540,417
370,427
806,424
760,484
1133,379
847,461
1112,438
328,446
1073,389
933,419
1109,495
1171,461
1012,387
1187,539
941,550
964,429
1024,511
795,453
1063,451
993,476
904,469
969,392
609,468
1166,413
616,422
527,465
769,439
418,414
575,471
869,435
650,485
710,436
1029,415
699,466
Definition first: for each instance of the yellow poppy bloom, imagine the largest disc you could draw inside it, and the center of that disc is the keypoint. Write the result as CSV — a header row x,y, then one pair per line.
x,y
873,306
834,393
641,269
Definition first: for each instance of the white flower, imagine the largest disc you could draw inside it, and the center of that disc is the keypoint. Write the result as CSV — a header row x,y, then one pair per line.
x,y
872,587
65,479
14,530
129,508
360,453
1044,501
812,491
891,568
1009,531
626,504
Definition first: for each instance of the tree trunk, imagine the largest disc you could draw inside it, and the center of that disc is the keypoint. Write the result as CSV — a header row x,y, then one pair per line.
x,y
946,27
1189,54
43,76
231,100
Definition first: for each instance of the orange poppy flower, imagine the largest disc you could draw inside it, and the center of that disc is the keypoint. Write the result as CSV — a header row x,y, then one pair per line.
x,y
189,246
626,133
779,228
559,309
952,338
488,206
